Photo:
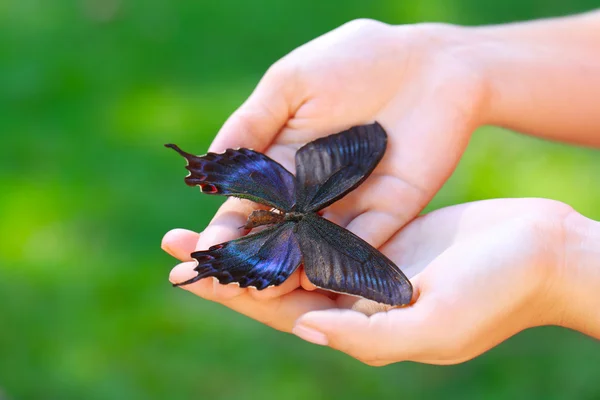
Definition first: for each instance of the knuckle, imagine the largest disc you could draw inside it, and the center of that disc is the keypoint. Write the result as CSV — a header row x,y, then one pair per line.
x,y
550,214
281,71
248,117
363,24
284,78
277,69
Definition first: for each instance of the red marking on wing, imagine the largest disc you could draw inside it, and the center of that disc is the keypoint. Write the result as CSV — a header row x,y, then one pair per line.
x,y
208,188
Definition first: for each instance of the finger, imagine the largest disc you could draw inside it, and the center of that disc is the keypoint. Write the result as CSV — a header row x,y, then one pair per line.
x,y
428,140
380,207
211,289
226,223
279,312
378,339
373,333
180,243
184,271
306,283
416,164
224,227
289,285
207,288
364,338
256,123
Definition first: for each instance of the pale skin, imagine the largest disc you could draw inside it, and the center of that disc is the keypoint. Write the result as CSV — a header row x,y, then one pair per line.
x,y
482,271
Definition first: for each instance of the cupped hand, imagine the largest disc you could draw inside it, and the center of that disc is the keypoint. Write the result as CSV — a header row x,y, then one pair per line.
x,y
417,81
482,272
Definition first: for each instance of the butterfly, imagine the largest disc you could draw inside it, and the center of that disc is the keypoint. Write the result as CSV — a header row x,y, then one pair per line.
x,y
334,258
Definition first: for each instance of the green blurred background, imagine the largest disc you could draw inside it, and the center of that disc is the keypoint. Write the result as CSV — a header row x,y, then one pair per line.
x,y
89,92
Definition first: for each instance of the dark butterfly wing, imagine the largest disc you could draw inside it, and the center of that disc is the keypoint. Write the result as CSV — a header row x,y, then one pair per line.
x,y
241,173
263,259
329,168
337,260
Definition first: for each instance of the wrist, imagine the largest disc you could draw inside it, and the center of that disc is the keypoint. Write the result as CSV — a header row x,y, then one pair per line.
x,y
509,66
578,281
542,76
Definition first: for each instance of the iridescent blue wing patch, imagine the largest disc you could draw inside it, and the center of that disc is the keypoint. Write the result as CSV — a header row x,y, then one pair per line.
x,y
334,258
329,168
337,260
263,259
241,173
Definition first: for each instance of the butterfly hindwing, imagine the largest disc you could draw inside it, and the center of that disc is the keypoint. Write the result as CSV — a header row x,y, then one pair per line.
x,y
263,259
329,168
241,173
337,260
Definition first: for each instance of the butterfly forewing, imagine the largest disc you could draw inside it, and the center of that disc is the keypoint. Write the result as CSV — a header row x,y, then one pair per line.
x,y
338,260
241,173
329,168
263,259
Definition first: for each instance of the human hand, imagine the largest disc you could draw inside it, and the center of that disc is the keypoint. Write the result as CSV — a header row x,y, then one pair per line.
x,y
481,272
408,78
429,87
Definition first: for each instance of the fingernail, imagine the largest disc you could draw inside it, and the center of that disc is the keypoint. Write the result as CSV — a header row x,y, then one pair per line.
x,y
182,272
310,335
165,246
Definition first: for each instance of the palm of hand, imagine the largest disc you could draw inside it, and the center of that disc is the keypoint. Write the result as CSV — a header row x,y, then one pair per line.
x,y
473,266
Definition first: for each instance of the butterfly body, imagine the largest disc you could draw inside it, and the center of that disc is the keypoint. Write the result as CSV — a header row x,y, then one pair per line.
x,y
263,217
334,258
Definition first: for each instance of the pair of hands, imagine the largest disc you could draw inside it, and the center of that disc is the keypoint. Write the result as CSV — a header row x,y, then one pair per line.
x,y
481,271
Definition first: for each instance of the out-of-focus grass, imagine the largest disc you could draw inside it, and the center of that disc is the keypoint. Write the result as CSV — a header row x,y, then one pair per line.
x,y
89,92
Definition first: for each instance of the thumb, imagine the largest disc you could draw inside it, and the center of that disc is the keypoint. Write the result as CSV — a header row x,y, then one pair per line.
x,y
260,118
370,339
377,339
